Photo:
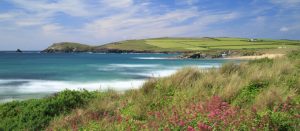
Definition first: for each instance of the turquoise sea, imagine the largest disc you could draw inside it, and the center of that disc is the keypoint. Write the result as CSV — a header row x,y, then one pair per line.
x,y
34,75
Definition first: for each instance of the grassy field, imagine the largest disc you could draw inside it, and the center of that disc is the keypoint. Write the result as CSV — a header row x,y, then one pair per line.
x,y
178,45
139,45
201,44
262,94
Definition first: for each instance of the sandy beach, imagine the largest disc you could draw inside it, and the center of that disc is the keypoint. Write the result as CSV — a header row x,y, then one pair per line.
x,y
256,56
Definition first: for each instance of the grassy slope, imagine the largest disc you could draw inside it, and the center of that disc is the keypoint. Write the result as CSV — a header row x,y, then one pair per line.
x,y
218,43
183,45
261,94
200,44
138,45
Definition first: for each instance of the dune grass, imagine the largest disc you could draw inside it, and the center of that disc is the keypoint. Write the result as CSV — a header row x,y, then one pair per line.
x,y
261,94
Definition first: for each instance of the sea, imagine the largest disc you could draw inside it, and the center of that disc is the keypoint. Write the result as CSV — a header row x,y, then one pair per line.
x,y
32,74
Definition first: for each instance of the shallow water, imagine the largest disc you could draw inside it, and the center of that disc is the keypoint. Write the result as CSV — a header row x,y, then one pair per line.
x,y
34,75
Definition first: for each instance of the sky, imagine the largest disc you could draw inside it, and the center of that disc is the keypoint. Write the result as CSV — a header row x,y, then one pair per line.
x,y
36,24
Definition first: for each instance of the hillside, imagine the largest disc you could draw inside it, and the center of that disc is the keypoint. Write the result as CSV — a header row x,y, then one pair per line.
x,y
261,94
68,47
165,45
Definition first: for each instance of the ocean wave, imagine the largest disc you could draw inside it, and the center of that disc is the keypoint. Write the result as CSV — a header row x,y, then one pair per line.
x,y
133,65
45,86
158,73
152,58
122,67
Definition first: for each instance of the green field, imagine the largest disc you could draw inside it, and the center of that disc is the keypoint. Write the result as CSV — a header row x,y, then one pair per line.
x,y
200,44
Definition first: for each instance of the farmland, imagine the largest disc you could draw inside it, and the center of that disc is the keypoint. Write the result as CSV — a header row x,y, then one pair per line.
x,y
201,44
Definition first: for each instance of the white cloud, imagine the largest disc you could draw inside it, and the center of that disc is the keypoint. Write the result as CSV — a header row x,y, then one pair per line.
x,y
127,25
188,2
284,29
70,7
118,3
28,22
286,3
6,16
51,28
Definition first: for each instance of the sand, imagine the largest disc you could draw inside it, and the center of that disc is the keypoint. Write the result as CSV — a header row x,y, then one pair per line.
x,y
256,56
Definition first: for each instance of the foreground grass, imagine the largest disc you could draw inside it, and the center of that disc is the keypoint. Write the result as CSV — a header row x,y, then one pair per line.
x,y
37,113
261,94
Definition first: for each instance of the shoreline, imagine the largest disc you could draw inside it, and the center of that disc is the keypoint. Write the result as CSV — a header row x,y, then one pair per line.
x,y
251,57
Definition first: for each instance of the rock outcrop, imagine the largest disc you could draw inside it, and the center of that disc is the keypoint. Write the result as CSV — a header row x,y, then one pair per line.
x,y
218,54
19,51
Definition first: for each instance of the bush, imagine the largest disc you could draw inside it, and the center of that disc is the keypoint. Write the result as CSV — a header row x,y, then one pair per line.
x,y
37,113
248,94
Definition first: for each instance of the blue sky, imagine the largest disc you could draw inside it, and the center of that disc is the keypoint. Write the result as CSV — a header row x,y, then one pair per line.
x,y
36,24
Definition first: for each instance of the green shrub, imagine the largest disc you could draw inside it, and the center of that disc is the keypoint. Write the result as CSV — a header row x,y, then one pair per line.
x,y
248,94
283,121
37,113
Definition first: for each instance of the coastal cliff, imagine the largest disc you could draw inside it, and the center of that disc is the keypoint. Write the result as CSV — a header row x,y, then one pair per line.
x,y
66,47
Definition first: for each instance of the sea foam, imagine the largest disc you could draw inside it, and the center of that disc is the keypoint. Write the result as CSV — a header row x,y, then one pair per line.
x,y
47,86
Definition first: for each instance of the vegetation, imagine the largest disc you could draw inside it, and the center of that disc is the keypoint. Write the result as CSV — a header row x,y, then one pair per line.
x,y
37,113
180,45
68,47
261,94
